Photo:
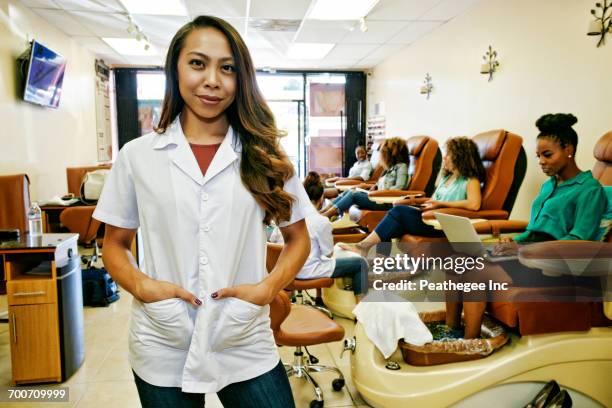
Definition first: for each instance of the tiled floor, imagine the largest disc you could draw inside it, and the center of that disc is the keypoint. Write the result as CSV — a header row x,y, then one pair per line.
x,y
105,379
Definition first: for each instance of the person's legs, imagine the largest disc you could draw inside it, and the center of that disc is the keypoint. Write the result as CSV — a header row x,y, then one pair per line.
x,y
269,390
362,200
355,268
340,204
152,396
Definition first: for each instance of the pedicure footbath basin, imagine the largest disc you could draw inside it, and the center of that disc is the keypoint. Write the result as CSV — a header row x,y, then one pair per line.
x,y
451,350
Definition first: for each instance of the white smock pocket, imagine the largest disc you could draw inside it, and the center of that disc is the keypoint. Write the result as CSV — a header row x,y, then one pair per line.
x,y
236,322
165,323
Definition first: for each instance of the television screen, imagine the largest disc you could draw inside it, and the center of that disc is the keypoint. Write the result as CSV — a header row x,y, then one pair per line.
x,y
43,85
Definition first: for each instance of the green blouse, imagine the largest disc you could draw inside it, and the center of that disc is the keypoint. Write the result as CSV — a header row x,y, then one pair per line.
x,y
455,191
570,210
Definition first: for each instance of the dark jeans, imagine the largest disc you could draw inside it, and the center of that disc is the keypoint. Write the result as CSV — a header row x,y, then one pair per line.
x,y
359,198
353,267
402,220
269,390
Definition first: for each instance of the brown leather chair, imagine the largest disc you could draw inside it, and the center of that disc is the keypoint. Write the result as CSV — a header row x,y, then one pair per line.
x,y
545,317
79,220
505,162
425,162
75,175
14,202
298,326
14,205
298,286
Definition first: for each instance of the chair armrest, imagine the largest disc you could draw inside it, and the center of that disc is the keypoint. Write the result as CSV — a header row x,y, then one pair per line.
x,y
411,201
395,193
578,258
486,214
498,227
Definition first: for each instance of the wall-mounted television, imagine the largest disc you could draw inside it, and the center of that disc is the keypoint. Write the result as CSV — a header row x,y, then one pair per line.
x,y
44,75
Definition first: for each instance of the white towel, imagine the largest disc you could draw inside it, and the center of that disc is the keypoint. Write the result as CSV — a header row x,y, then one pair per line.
x,y
387,318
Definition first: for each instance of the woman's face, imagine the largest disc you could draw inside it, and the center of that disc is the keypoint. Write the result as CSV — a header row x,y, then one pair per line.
x,y
447,162
206,73
552,158
360,153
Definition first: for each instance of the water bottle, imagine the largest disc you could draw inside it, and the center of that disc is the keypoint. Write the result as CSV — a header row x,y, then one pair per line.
x,y
34,220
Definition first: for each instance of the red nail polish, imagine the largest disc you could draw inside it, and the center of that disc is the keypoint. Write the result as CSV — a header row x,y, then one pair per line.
x,y
198,302
214,295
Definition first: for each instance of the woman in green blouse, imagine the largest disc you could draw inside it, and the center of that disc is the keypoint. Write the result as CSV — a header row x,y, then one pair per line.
x,y
569,206
571,202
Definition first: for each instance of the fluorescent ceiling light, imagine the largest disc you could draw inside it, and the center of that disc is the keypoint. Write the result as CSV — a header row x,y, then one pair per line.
x,y
309,50
130,46
341,9
156,7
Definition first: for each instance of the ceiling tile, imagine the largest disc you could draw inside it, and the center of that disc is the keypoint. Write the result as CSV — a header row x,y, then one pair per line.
x,y
40,3
448,9
108,6
146,60
160,28
414,31
366,63
64,21
94,44
385,51
379,32
401,9
104,25
351,51
294,9
219,8
318,31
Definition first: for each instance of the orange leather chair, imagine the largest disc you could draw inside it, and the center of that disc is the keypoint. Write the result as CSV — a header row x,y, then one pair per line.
x,y
298,326
298,286
505,162
79,220
14,205
548,317
75,175
14,202
425,162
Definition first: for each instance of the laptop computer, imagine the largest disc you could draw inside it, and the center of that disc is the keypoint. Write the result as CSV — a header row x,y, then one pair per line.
x,y
463,238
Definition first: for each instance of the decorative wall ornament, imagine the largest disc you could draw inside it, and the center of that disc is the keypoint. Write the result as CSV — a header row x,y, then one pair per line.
x,y
428,87
602,23
491,63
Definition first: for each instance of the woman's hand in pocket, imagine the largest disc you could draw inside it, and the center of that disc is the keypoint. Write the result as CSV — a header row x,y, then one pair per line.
x,y
259,294
150,290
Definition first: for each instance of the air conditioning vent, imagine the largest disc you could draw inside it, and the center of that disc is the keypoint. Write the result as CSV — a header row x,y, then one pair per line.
x,y
261,24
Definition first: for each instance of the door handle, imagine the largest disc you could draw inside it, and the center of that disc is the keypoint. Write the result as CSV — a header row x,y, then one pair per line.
x,y
14,320
37,293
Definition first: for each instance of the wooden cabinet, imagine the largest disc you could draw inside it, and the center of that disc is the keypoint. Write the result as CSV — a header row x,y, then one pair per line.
x,y
35,351
35,273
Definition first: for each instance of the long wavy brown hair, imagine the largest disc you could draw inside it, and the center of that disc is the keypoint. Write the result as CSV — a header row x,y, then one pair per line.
x,y
264,166
394,150
465,157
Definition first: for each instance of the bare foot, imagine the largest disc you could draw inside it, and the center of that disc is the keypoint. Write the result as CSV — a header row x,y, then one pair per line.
x,y
356,248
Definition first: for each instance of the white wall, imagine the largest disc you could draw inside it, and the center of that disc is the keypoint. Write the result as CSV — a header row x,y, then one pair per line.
x,y
548,65
38,141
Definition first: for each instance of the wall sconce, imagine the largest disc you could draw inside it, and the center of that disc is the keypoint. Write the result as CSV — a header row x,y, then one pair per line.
x,y
491,63
602,24
428,87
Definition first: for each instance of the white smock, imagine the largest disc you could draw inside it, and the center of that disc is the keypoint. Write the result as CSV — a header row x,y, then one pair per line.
x,y
202,233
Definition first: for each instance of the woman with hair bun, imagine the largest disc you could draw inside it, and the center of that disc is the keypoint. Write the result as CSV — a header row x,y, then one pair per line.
x,y
570,206
571,202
